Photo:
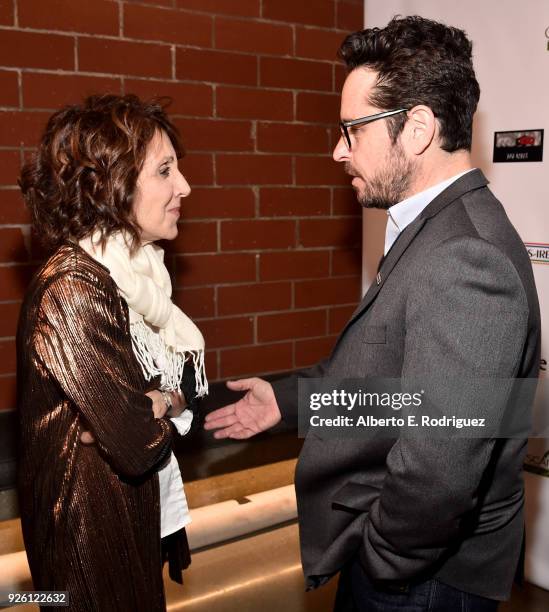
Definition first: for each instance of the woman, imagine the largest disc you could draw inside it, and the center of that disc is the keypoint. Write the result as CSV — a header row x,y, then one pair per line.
x,y
103,355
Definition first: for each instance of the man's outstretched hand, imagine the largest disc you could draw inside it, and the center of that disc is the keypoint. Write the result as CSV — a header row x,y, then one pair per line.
x,y
255,412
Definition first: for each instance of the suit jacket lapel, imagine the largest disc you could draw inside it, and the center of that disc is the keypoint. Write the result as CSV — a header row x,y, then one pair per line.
x,y
469,182
402,243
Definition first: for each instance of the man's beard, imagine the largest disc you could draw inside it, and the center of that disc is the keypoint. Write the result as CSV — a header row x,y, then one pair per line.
x,y
390,185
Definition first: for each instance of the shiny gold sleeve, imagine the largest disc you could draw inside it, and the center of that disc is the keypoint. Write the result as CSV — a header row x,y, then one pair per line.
x,y
83,341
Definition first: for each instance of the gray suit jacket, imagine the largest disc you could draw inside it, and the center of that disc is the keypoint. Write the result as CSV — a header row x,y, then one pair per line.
x,y
456,297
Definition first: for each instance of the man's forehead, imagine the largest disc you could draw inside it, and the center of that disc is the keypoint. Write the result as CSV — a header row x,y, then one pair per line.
x,y
354,95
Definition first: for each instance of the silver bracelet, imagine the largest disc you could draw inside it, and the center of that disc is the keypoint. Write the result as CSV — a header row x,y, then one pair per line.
x,y
167,399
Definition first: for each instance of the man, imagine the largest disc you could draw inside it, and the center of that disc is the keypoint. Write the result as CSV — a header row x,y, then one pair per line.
x,y
416,523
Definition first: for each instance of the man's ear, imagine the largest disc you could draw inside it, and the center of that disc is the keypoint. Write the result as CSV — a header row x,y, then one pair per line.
x,y
420,129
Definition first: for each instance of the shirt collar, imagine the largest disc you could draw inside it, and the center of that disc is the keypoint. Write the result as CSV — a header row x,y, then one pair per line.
x,y
402,214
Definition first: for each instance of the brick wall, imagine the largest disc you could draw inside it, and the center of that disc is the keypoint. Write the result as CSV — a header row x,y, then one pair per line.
x,y
268,256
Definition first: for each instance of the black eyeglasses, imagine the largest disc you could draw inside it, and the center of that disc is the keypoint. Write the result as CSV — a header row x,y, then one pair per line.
x,y
345,125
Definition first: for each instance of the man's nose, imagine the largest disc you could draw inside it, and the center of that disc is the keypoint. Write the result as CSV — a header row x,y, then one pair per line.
x,y
341,151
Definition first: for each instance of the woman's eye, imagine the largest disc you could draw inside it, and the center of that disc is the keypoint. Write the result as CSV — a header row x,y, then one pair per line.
x,y
165,171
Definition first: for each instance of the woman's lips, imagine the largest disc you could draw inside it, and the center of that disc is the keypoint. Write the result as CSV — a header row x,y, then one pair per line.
x,y
175,211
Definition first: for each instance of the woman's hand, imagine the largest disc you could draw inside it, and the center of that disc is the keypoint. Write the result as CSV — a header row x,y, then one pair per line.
x,y
159,408
179,403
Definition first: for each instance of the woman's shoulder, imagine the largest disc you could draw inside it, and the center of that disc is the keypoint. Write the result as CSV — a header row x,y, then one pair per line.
x,y
67,266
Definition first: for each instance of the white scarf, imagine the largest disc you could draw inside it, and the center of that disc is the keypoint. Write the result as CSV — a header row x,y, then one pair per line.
x,y
163,337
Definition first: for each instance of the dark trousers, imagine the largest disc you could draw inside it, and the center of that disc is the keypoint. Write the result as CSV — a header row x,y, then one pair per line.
x,y
356,593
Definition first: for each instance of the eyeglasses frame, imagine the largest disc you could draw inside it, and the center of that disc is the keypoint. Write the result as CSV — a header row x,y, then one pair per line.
x,y
344,125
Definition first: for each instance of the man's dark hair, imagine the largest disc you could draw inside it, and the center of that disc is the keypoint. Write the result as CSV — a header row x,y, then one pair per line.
x,y
83,177
420,61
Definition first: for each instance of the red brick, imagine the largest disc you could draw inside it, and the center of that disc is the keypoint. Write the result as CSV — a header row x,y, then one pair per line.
x,y
53,90
12,245
254,360
245,8
9,314
212,135
294,201
253,169
6,12
253,36
9,88
33,50
257,234
22,128
330,232
334,134
318,44
288,265
318,107
309,352
346,262
14,281
186,98
196,303
258,297
197,169
340,74
212,369
254,103
345,202
8,390
149,22
193,270
195,237
321,12
97,17
350,15
9,168
327,291
12,207
338,318
219,203
319,171
206,65
290,325
284,137
227,332
7,363
295,73
123,57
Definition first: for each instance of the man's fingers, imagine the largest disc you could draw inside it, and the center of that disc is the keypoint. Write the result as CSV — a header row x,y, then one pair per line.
x,y
242,384
242,435
223,421
220,413
228,432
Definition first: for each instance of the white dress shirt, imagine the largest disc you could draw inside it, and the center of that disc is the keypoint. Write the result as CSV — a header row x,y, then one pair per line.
x,y
174,511
402,214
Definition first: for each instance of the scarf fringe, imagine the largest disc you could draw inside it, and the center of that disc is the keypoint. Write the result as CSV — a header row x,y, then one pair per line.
x,y
158,359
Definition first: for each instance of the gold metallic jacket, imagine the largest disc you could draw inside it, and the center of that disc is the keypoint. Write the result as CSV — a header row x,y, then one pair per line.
x,y
90,513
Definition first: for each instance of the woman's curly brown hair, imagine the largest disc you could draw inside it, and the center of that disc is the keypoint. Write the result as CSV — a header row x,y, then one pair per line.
x,y
83,177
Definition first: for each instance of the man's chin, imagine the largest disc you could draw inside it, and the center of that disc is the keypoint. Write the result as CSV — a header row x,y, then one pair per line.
x,y
367,201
